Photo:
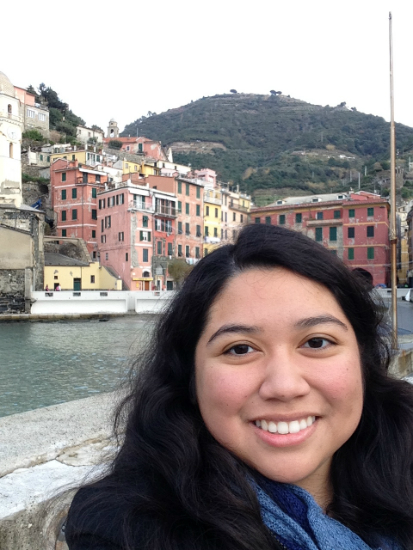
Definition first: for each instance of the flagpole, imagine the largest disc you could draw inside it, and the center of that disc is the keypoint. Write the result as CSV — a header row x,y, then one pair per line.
x,y
393,228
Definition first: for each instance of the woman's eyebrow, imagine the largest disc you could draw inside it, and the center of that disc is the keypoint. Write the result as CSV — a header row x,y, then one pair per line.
x,y
225,329
320,320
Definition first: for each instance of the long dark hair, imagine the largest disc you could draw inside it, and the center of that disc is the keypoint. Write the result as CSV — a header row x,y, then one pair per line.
x,y
170,474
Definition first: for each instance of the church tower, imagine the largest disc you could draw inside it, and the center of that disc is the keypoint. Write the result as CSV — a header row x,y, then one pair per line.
x,y
11,126
113,130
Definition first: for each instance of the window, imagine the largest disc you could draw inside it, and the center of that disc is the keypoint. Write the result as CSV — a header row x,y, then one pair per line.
x,y
298,218
187,251
121,236
179,228
351,213
234,217
350,253
93,234
206,210
102,227
107,221
197,254
179,250
216,212
63,232
92,279
370,253
351,232
169,249
159,243
11,150
63,194
319,234
179,187
187,231
333,234
30,113
242,218
281,219
93,192
215,231
126,257
63,176
206,231
370,212
103,239
94,214
145,220
179,206
74,193
187,208
41,157
121,198
84,177
42,117
107,255
198,208
145,236
187,189
198,192
337,214
73,157
145,255
63,215
257,220
102,203
370,231
198,231
320,215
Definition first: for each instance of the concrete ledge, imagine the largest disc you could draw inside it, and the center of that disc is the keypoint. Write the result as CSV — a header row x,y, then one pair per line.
x,y
46,454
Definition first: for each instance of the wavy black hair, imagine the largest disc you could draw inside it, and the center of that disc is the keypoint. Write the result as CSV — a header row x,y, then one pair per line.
x,y
174,487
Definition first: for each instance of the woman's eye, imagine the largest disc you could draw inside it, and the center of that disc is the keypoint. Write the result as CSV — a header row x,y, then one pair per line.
x,y
317,343
240,349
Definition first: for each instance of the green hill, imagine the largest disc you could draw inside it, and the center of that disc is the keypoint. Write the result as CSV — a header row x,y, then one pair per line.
x,y
274,145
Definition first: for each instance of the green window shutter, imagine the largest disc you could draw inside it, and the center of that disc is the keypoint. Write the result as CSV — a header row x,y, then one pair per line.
x,y
63,215
370,212
198,192
298,218
370,253
93,192
350,253
187,188
63,232
169,249
319,234
198,208
63,194
351,213
149,236
179,206
63,176
186,208
179,187
333,234
268,220
281,219
337,214
257,220
74,193
141,235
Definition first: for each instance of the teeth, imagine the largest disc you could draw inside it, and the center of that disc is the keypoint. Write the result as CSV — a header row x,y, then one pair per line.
x,y
292,427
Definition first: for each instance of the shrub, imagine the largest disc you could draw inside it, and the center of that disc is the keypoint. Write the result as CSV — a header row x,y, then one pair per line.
x,y
34,135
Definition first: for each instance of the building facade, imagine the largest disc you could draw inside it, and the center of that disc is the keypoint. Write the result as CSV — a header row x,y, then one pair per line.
x,y
74,190
354,226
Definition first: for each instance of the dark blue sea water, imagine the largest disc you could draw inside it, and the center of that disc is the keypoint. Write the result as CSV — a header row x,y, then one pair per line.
x,y
45,364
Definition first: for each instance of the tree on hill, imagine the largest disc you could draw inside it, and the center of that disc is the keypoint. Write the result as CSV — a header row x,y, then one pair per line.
x,y
115,144
233,91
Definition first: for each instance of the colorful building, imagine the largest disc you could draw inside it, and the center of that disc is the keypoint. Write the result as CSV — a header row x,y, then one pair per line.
x,y
354,226
82,156
74,190
136,229
212,218
235,210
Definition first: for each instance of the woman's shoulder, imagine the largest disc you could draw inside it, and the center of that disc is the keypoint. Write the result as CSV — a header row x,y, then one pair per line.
x,y
97,519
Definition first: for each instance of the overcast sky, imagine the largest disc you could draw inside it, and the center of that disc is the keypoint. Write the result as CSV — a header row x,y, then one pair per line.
x,y
123,59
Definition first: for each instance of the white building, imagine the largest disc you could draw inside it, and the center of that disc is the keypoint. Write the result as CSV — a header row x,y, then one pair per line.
x,y
11,127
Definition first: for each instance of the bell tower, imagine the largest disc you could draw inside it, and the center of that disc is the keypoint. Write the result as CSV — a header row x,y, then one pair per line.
x,y
113,130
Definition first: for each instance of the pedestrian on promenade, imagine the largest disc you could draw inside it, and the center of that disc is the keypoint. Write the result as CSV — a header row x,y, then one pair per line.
x,y
47,288
58,287
262,415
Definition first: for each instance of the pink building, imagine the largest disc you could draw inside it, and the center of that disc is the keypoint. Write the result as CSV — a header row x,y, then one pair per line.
x,y
136,228
74,190
354,226
140,145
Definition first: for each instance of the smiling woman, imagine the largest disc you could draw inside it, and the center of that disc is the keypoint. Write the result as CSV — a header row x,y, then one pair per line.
x,y
262,415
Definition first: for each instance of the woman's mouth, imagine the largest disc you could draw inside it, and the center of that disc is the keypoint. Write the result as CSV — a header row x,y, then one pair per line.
x,y
282,427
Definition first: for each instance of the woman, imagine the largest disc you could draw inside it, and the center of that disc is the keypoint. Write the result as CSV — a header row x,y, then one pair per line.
x,y
262,416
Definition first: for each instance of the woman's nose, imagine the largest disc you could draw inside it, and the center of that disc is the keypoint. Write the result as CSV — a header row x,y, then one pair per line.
x,y
284,378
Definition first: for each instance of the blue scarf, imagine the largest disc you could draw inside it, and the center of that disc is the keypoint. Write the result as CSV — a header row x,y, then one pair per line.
x,y
298,522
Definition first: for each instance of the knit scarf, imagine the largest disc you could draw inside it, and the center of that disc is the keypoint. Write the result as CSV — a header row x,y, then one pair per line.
x,y
299,523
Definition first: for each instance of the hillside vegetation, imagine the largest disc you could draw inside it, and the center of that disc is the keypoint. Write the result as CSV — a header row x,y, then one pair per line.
x,y
276,145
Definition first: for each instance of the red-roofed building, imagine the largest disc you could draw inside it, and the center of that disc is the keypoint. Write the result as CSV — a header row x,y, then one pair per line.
x,y
354,226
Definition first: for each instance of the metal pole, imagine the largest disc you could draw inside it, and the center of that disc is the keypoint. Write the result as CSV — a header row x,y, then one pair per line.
x,y
393,228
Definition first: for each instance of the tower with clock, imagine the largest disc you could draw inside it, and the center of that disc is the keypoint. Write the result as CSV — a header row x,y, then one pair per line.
x,y
11,126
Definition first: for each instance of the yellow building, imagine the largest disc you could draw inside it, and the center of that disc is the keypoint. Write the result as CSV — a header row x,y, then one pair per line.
x,y
143,168
212,219
73,274
91,158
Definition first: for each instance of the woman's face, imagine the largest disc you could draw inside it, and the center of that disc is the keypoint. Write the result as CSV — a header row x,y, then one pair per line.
x,y
278,376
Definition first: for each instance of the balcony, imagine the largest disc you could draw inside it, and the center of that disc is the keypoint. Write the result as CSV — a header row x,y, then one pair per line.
x,y
212,240
139,205
212,200
163,210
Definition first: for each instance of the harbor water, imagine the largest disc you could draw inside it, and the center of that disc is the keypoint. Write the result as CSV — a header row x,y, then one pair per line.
x,y
46,363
